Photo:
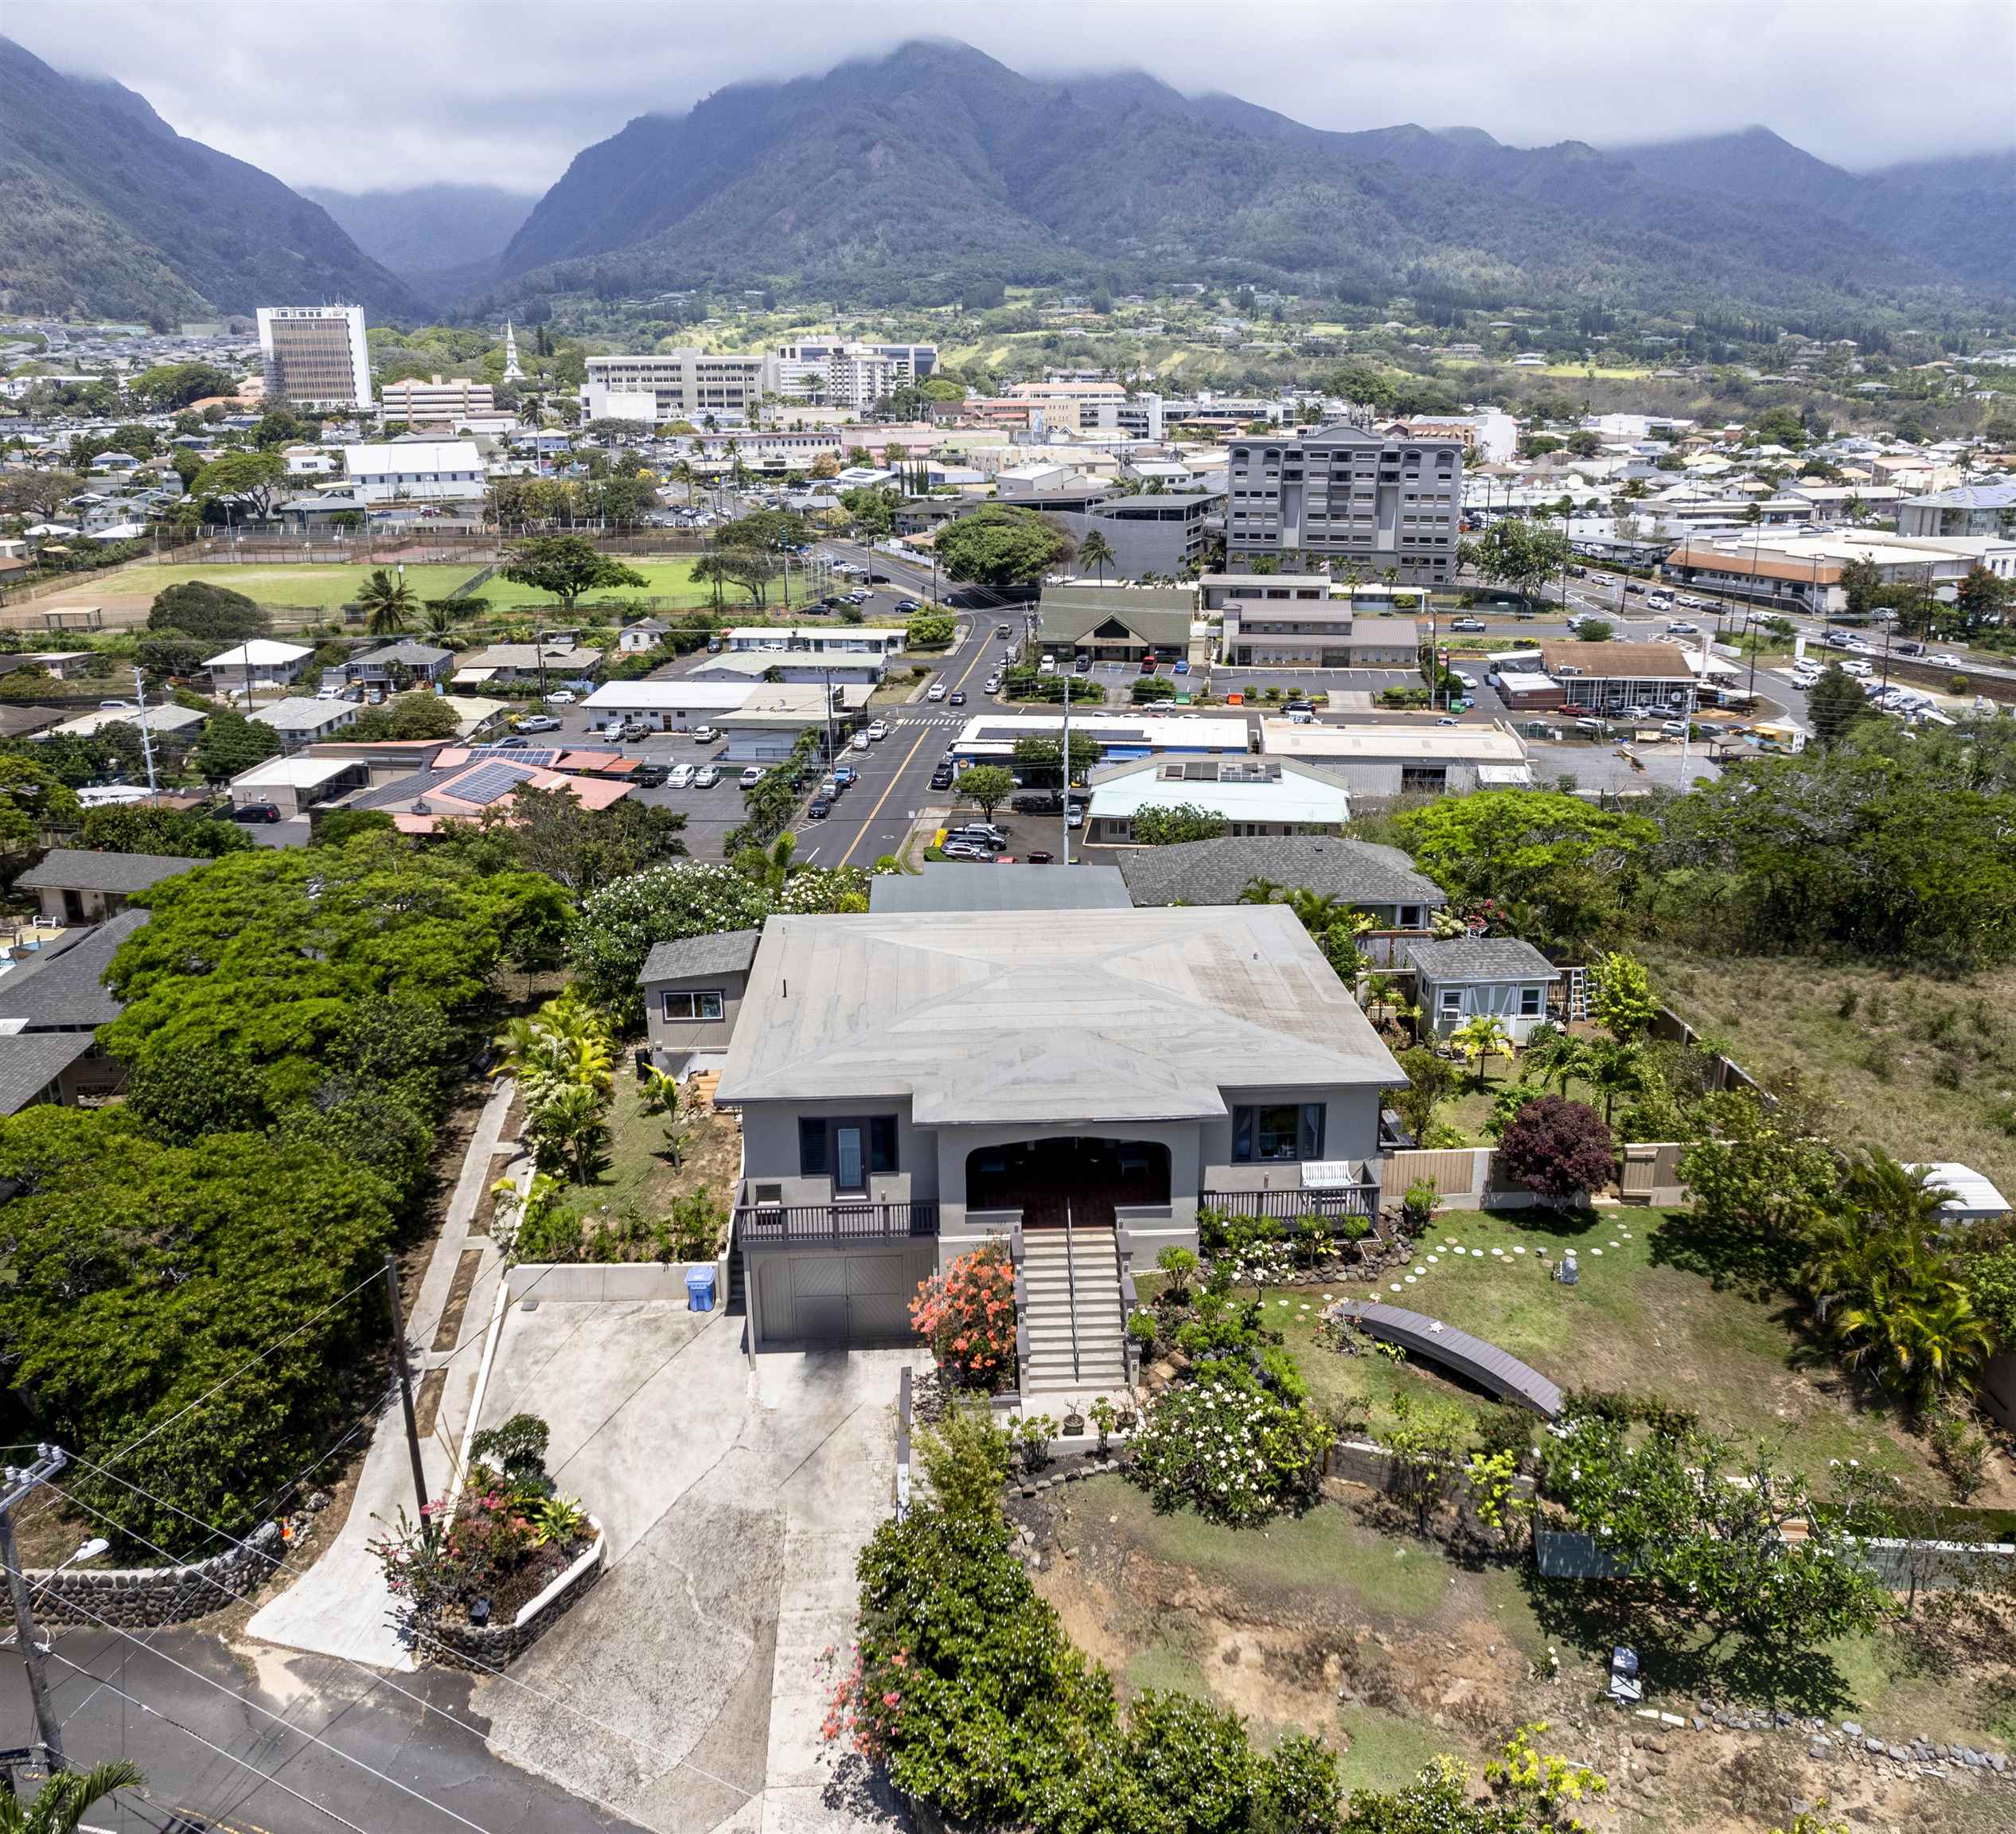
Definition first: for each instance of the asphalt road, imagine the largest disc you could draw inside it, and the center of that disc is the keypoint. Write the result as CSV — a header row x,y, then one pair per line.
x,y
157,1704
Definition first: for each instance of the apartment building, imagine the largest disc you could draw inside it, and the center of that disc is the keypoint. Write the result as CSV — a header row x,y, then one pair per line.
x,y
1072,406
315,356
417,403
676,385
1984,508
1360,500
850,375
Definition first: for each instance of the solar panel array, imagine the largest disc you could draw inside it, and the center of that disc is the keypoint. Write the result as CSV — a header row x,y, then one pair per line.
x,y
491,784
545,759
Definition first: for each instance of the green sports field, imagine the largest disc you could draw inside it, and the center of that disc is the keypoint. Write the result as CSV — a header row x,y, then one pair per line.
x,y
327,588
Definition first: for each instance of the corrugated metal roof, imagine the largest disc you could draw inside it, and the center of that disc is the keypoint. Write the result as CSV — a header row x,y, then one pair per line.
x,y
949,885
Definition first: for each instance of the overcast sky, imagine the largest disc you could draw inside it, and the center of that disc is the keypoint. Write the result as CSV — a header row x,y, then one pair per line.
x,y
356,95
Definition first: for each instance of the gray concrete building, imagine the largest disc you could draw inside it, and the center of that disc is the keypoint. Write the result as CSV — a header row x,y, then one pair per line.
x,y
1362,500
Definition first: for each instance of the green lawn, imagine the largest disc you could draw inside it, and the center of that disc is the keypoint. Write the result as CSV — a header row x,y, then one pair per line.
x,y
1633,1322
327,588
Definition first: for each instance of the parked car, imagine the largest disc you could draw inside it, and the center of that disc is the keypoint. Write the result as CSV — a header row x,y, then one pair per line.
x,y
650,776
966,850
513,744
752,775
256,812
1036,856
1036,802
680,776
707,735
1182,666
984,832
957,698
1047,665
1076,818
1633,587
819,807
878,729
844,774
1148,663
126,706
714,645
1082,665
536,722
706,777
560,697
1468,624
942,778
1857,666
1674,728
935,692
908,605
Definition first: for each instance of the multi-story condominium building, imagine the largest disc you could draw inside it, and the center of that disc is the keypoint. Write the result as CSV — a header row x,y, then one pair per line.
x,y
416,402
1985,508
849,375
1363,500
1072,406
676,385
315,356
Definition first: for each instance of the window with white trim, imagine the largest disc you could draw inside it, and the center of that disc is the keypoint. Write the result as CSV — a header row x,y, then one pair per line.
x,y
1529,1002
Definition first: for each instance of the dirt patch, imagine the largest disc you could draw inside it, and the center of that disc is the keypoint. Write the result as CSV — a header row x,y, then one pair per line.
x,y
450,1329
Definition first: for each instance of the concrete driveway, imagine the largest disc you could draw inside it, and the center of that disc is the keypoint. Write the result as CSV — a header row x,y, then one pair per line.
x,y
686,1690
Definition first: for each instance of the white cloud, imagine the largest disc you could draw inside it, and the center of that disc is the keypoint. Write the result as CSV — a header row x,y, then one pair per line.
x,y
354,94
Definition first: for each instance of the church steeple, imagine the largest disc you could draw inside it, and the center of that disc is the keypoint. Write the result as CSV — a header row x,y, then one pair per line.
x,y
512,372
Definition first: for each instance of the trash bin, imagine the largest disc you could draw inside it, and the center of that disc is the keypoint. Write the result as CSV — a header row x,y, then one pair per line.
x,y
700,1288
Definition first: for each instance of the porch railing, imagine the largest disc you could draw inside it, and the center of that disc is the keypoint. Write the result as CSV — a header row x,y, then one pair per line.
x,y
810,1225
1298,1205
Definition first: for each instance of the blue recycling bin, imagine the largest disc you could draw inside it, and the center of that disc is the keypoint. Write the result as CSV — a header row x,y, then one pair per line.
x,y
700,1288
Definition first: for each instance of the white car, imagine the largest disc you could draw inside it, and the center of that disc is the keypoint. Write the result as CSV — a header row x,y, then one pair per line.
x,y
936,691
681,777
706,777
862,742
706,735
878,729
1858,668
560,697
1946,659
752,775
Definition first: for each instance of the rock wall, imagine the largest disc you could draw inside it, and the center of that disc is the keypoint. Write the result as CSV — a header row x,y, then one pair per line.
x,y
149,1597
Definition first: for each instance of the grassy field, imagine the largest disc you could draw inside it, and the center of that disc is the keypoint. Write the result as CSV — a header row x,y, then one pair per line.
x,y
1923,1067
1636,1321
327,588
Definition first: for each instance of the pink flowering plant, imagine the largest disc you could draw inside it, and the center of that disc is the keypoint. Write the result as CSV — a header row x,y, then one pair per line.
x,y
966,1312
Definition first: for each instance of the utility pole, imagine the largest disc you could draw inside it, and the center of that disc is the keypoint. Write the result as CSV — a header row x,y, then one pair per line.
x,y
1064,762
146,743
21,1484
539,658
406,1392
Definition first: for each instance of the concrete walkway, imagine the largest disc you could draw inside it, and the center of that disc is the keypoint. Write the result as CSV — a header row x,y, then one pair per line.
x,y
341,1605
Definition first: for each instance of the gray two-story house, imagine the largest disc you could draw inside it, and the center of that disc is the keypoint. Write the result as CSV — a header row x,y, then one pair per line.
x,y
1073,1083
692,993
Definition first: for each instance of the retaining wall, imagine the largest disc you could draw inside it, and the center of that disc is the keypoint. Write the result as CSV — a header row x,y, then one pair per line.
x,y
605,1283
152,1598
491,1646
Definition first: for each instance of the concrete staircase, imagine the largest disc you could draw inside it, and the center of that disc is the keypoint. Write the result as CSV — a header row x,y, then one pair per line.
x,y
1072,1275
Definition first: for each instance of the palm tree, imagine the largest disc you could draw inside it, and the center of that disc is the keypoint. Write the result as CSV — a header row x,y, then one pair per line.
x,y
570,1127
1263,891
1615,1068
60,1804
1555,1055
1480,1038
387,603
1095,550
441,618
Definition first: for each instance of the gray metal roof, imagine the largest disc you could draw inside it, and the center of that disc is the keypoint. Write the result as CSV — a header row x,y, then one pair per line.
x,y
65,987
1217,871
1481,958
959,885
29,1061
729,953
66,868
1047,1017
406,651
1485,1364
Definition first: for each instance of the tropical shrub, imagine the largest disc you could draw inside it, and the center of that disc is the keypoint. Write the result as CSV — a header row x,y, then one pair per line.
x,y
1237,1453
966,1312
1296,1789
1558,1149
1193,1755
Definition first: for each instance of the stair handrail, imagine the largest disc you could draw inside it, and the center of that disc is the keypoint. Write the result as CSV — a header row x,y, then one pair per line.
x,y
1123,1252
1070,1286
1021,1306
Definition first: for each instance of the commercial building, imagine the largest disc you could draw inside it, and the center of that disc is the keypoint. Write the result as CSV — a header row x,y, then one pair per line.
x,y
1800,570
417,471
695,385
1114,624
1152,536
913,1085
1254,797
1312,633
315,356
759,721
1610,680
1378,763
1366,500
418,403
1491,437
1071,407
990,738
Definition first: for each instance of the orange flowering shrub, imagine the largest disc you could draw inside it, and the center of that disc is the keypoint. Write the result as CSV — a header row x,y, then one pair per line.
x,y
966,1312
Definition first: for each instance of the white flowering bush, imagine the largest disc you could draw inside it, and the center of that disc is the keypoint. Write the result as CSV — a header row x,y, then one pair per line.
x,y
1235,1452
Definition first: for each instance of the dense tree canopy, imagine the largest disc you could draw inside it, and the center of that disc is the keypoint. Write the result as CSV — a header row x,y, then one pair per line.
x,y
230,744
130,828
213,614
566,566
1000,545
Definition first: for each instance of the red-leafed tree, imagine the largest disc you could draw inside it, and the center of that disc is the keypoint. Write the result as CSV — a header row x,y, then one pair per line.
x,y
1558,1149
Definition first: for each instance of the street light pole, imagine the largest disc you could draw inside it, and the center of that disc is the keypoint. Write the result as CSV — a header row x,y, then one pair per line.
x,y
21,1485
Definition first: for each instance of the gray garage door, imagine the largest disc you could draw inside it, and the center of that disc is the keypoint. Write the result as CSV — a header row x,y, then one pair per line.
x,y
859,1297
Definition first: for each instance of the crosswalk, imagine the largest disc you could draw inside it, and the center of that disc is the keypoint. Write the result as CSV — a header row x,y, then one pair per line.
x,y
952,719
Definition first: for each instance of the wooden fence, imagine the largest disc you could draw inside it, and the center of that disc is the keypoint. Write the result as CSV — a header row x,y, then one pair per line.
x,y
1465,1178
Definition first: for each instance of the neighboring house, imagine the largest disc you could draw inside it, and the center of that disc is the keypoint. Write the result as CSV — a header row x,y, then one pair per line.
x,y
395,666
51,1007
301,720
23,722
953,885
915,1085
295,785
74,886
419,471
1115,624
1468,977
511,664
1252,796
158,721
261,664
1309,635
646,634
58,665
693,992
1380,881
461,784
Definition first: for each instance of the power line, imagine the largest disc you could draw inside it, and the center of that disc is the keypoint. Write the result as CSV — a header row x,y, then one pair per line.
x,y
169,1719
194,1675
427,1636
